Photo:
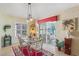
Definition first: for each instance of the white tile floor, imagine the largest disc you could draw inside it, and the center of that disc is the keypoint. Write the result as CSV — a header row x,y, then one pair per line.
x,y
53,50
7,51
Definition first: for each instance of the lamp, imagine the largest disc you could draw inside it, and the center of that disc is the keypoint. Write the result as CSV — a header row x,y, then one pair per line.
x,y
29,16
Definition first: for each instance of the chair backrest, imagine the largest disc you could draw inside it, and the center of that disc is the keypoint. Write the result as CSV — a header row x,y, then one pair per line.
x,y
21,41
17,52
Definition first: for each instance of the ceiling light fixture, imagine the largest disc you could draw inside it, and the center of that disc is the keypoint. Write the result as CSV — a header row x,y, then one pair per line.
x,y
29,16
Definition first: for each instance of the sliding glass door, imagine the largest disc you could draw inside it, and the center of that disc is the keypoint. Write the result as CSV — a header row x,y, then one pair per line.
x,y
50,33
47,32
42,32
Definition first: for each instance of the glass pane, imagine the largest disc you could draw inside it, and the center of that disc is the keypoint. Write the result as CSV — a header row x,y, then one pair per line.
x,y
18,26
42,31
24,26
18,32
51,33
24,33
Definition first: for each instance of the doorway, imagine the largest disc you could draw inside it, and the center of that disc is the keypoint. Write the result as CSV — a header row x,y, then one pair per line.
x,y
47,32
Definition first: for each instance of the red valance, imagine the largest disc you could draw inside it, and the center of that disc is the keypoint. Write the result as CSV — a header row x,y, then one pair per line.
x,y
50,19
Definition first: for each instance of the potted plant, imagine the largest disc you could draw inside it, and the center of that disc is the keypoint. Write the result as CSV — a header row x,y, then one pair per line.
x,y
59,44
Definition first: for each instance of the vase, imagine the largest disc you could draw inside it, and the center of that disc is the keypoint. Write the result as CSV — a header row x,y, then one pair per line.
x,y
59,48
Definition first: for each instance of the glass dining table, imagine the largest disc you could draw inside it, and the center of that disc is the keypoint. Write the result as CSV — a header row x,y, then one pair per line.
x,y
37,45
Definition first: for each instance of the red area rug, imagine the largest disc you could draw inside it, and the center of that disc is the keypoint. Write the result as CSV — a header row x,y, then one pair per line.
x,y
26,51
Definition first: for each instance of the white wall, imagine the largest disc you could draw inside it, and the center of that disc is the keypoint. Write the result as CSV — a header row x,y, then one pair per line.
x,y
5,19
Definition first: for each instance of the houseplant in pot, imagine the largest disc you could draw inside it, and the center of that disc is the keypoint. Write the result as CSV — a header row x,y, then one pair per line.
x,y
59,44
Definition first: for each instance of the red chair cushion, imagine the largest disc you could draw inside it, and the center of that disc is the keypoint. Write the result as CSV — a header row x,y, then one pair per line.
x,y
40,54
25,51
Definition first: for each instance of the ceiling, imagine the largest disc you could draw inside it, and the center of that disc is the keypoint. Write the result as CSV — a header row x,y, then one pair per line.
x,y
39,10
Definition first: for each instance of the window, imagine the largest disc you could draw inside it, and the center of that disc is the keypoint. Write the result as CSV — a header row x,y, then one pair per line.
x,y
21,29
